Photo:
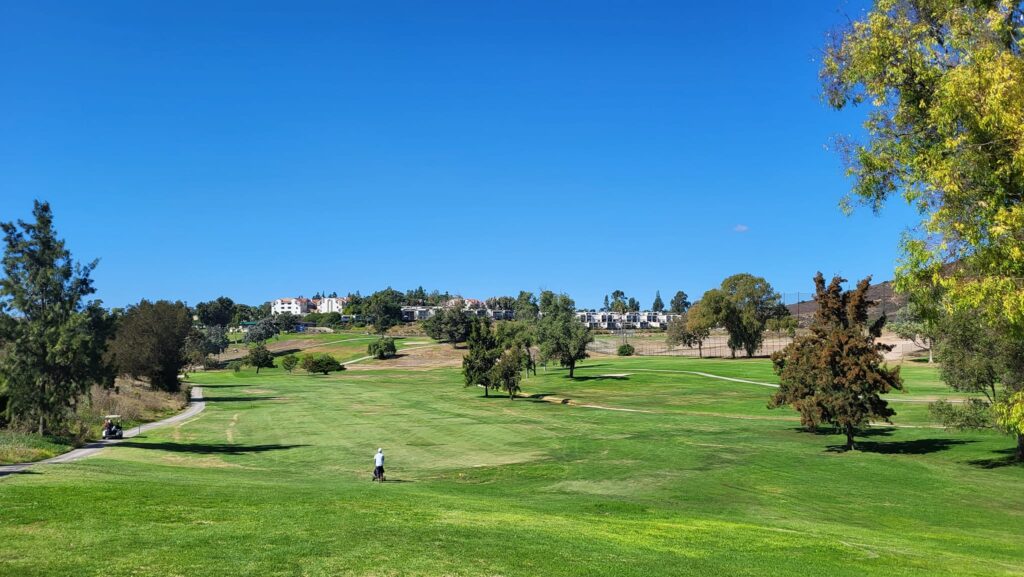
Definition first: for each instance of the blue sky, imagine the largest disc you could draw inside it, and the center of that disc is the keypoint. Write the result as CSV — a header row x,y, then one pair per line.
x,y
259,150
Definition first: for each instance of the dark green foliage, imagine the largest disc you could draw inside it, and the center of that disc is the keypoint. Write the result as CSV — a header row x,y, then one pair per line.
x,y
501,303
483,353
506,371
526,308
520,335
618,303
561,336
52,340
245,313
289,362
150,342
260,358
659,305
450,325
384,309
235,366
382,349
743,305
217,312
321,363
679,303
837,373
626,350
285,322
262,331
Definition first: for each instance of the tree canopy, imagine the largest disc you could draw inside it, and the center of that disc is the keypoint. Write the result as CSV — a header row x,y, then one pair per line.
x,y
53,339
150,342
837,373
384,309
218,312
679,303
743,305
561,336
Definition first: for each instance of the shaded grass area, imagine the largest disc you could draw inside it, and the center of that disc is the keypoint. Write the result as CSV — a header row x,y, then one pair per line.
x,y
274,479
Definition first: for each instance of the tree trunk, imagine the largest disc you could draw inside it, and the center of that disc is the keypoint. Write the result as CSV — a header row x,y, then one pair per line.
x,y
487,391
700,350
930,358
572,369
1020,446
849,437
40,424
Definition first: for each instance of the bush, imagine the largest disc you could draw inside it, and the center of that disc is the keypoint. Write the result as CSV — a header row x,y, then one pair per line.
x,y
321,363
382,349
626,350
289,362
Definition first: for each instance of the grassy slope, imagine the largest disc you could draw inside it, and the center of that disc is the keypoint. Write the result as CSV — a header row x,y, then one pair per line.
x,y
274,480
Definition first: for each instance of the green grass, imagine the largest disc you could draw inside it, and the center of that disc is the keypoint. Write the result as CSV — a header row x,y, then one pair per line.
x,y
273,479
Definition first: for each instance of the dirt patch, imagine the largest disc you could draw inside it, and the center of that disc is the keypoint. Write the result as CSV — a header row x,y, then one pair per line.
x,y
257,391
423,358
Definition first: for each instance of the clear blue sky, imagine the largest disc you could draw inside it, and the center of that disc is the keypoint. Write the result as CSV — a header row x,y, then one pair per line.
x,y
259,150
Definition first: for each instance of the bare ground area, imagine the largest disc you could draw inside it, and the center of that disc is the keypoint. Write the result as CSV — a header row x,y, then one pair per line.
x,y
418,358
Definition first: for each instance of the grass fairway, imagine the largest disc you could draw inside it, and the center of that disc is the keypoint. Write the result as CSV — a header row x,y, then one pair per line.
x,y
696,478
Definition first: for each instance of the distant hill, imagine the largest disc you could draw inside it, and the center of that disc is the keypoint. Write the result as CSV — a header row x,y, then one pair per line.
x,y
886,299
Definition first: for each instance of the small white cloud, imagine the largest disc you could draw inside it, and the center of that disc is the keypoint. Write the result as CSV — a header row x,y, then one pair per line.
x,y
741,228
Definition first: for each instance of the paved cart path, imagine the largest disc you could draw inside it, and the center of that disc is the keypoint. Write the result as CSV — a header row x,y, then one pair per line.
x,y
196,406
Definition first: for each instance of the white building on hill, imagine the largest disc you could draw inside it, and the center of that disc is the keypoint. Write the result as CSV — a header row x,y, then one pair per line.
x,y
296,306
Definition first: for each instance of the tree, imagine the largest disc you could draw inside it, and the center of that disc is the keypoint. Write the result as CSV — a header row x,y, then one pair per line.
x,y
1010,416
915,323
483,353
743,305
53,339
984,361
837,373
606,306
150,342
561,336
626,350
526,308
449,325
289,362
245,313
945,79
506,371
633,305
690,329
259,357
659,305
262,331
285,322
618,303
382,349
320,363
385,309
501,303
679,303
215,339
521,335
216,313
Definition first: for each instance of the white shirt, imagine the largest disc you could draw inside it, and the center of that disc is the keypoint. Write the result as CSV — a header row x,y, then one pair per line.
x,y
378,459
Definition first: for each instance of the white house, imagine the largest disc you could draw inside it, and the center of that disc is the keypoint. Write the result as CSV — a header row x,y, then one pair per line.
x,y
296,306
331,305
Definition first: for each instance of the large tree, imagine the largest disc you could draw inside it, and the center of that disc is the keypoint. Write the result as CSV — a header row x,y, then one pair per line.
x,y
658,305
260,357
150,342
262,331
945,82
561,336
837,373
506,372
218,312
385,309
526,308
690,329
679,303
478,364
52,338
743,305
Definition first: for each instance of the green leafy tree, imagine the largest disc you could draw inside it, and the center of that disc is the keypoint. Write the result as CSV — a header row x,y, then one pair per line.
x,y
690,329
501,303
384,308
984,361
945,82
289,362
320,363
506,372
837,373
262,331
659,305
215,339
245,313
382,349
626,350
521,335
632,305
450,325
260,358
743,305
151,342
526,308
483,353
606,306
1009,414
679,303
917,324
216,313
53,339
619,304
561,336
285,322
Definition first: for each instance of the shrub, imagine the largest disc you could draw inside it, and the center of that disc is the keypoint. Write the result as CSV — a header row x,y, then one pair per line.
x,y
382,349
235,366
321,363
626,350
289,362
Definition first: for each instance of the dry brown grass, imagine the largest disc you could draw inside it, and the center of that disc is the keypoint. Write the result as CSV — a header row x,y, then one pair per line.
x,y
424,358
133,400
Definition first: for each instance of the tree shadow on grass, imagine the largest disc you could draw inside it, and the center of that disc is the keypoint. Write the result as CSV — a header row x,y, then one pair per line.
x,y
913,447
1010,460
238,399
209,448
601,378
21,472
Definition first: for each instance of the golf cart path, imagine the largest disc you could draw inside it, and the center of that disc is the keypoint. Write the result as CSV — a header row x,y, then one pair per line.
x,y
196,406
